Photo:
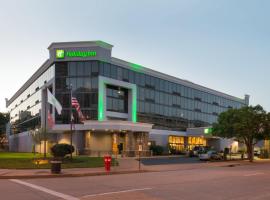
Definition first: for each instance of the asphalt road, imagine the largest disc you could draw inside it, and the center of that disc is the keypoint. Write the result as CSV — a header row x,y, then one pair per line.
x,y
250,182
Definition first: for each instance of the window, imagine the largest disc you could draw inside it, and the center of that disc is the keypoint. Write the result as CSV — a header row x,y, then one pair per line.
x,y
80,69
113,72
215,103
197,99
106,70
72,69
176,93
61,69
125,75
197,110
87,68
94,68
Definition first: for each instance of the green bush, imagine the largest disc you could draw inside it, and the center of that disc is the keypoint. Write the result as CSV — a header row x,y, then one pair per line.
x,y
156,149
61,150
264,154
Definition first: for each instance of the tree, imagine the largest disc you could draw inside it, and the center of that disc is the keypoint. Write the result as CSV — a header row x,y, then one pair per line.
x,y
247,125
38,136
4,119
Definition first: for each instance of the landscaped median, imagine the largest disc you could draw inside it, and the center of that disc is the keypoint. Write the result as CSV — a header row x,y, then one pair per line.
x,y
10,160
28,166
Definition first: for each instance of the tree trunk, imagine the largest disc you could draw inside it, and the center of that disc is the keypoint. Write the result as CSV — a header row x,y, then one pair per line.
x,y
250,151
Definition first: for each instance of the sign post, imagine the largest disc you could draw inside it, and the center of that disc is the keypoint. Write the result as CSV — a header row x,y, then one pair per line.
x,y
140,150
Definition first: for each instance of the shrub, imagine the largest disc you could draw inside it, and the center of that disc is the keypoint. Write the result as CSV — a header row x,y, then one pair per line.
x,y
61,150
157,150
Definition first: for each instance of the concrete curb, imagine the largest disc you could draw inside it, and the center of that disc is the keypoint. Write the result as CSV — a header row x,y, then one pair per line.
x,y
72,175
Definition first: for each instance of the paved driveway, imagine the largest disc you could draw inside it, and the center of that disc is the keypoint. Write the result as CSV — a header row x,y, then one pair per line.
x,y
170,160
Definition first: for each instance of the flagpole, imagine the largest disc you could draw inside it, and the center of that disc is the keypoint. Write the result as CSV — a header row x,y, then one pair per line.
x,y
45,129
71,117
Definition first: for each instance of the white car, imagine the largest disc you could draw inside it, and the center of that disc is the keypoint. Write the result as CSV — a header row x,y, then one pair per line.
x,y
210,155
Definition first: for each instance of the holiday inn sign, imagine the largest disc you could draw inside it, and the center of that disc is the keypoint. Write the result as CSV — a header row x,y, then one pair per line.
x,y
61,54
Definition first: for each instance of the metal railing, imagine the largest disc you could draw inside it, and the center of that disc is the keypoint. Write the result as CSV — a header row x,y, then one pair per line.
x,y
131,153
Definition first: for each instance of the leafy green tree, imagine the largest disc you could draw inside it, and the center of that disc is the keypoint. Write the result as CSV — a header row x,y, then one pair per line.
x,y
4,119
247,125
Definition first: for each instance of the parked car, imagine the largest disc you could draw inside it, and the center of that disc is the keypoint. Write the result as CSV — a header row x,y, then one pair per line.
x,y
210,155
199,149
196,150
257,151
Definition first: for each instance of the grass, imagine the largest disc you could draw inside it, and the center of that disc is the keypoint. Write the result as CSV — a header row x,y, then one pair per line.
x,y
27,161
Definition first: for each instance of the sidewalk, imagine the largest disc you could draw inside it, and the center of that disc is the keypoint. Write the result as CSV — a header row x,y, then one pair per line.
x,y
126,165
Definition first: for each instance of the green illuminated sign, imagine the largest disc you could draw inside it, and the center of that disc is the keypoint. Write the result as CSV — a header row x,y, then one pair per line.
x,y
60,54
208,131
135,67
134,105
101,101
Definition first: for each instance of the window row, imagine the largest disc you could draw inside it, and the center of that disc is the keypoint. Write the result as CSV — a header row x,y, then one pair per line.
x,y
167,111
86,100
32,89
78,84
147,81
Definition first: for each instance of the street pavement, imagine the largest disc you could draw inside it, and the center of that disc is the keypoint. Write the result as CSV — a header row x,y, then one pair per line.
x,y
217,182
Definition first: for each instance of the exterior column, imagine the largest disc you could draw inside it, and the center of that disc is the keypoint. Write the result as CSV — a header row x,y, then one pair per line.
x,y
145,141
130,144
115,141
142,139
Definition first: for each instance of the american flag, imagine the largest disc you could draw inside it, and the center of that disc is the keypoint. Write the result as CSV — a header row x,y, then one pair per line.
x,y
50,120
76,105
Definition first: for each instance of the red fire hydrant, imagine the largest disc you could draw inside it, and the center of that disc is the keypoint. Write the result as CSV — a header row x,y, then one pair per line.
x,y
107,163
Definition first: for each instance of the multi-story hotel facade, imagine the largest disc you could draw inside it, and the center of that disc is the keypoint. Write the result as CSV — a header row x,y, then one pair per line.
x,y
122,103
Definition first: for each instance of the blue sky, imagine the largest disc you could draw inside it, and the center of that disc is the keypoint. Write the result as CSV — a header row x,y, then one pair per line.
x,y
221,44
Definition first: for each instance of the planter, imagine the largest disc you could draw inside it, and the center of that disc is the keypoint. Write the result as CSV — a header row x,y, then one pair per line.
x,y
56,166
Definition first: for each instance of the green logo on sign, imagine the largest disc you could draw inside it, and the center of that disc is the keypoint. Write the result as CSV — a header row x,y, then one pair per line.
x,y
60,53
208,131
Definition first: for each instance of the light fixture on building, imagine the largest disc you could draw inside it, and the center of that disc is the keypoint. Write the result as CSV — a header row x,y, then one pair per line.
x,y
119,91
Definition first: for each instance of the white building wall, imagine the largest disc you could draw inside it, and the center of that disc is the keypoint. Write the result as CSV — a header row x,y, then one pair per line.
x,y
21,142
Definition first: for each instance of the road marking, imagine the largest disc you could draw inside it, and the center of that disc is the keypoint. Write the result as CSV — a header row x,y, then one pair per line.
x,y
255,174
117,192
43,189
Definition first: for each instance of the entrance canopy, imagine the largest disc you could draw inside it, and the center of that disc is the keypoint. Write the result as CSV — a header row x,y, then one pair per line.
x,y
107,125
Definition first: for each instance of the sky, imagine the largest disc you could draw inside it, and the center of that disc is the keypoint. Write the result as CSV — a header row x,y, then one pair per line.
x,y
220,44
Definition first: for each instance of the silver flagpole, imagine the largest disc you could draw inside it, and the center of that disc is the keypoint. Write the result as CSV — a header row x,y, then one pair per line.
x,y
71,118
